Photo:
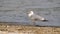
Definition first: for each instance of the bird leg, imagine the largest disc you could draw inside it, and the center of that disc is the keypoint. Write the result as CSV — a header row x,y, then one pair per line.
x,y
33,22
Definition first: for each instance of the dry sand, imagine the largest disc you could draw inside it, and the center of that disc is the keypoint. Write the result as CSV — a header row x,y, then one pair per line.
x,y
21,29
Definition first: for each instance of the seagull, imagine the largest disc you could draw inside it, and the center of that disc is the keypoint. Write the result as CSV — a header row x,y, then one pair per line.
x,y
35,17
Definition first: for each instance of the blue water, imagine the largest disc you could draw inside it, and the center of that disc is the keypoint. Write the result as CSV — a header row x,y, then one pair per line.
x,y
16,11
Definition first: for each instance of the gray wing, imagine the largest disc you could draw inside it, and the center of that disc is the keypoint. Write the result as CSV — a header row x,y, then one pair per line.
x,y
34,16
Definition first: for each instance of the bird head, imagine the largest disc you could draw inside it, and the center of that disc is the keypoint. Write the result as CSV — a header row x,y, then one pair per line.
x,y
30,13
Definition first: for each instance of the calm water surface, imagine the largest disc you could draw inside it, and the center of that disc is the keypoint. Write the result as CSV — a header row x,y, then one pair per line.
x,y
16,11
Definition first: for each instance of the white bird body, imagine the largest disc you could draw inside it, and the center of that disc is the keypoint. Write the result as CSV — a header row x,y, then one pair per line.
x,y
34,16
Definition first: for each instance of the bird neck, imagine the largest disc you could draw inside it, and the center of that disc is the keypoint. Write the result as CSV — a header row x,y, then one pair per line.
x,y
30,14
